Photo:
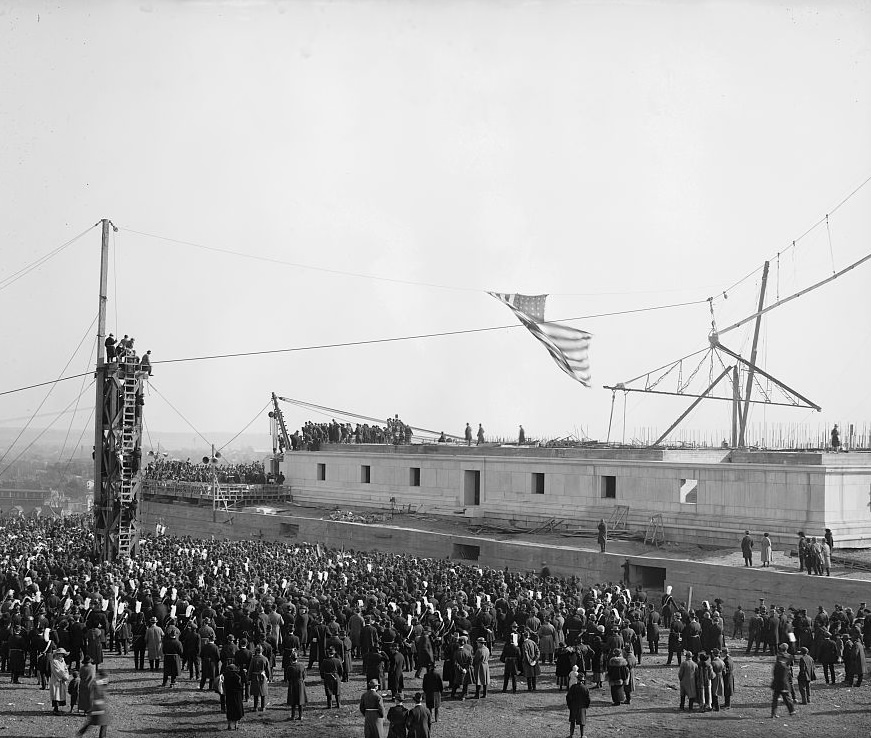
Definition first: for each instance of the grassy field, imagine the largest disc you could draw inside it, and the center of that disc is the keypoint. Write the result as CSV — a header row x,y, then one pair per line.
x,y
140,707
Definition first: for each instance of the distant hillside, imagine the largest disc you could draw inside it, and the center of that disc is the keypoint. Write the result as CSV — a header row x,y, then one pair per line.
x,y
247,445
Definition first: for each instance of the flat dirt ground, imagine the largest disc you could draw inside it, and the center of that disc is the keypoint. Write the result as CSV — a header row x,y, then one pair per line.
x,y
140,707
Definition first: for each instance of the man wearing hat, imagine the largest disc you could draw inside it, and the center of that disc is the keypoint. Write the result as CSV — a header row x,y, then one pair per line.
x,y
210,657
109,343
331,669
481,668
372,709
780,682
419,719
396,717
806,675
462,667
154,643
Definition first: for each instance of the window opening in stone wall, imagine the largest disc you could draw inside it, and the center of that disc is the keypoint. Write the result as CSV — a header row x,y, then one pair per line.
x,y
466,552
365,474
609,487
538,483
689,491
414,476
322,472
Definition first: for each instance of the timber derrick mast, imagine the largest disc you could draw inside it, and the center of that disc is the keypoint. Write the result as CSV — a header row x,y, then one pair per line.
x,y
118,457
117,436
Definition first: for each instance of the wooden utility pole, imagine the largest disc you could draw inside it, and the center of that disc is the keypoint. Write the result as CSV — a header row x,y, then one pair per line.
x,y
736,405
102,509
747,394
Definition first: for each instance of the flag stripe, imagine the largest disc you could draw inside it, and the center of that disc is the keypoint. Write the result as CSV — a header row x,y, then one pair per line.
x,y
568,347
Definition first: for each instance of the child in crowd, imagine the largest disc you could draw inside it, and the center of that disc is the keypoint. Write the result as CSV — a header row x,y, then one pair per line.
x,y
73,690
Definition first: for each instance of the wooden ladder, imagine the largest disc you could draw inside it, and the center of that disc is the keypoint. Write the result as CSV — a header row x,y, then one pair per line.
x,y
654,534
618,519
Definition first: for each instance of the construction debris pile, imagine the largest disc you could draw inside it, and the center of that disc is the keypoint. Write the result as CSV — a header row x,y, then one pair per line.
x,y
347,516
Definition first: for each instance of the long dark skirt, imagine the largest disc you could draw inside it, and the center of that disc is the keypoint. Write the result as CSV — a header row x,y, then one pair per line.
x,y
235,706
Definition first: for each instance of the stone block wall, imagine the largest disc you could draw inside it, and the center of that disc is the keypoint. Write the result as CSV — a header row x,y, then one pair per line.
x,y
735,585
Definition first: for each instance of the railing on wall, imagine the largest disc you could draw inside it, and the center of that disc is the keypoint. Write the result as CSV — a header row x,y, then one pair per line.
x,y
203,493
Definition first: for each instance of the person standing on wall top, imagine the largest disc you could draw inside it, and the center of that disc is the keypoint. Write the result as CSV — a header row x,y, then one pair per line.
x,y
766,550
468,434
480,435
521,436
603,534
109,343
836,439
747,548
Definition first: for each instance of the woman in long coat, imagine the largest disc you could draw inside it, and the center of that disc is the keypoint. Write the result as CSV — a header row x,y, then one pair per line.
x,y
559,623
296,694
58,677
766,550
87,676
94,645
234,690
718,682
704,677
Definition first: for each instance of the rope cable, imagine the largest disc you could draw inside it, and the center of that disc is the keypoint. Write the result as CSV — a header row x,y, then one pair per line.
x,y
345,413
829,234
369,341
791,247
73,416
259,413
359,275
419,336
24,271
48,394
41,433
78,442
115,275
179,413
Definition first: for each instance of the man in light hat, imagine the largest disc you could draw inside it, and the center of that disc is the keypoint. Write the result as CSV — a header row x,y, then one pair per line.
x,y
154,643
481,668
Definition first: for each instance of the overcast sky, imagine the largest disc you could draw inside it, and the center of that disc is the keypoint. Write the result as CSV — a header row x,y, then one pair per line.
x,y
613,155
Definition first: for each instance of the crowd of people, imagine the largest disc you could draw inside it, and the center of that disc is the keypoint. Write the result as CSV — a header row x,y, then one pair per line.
x,y
237,618
161,469
118,350
814,553
312,435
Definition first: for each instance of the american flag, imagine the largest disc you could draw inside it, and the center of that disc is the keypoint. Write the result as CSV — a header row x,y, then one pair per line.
x,y
568,347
